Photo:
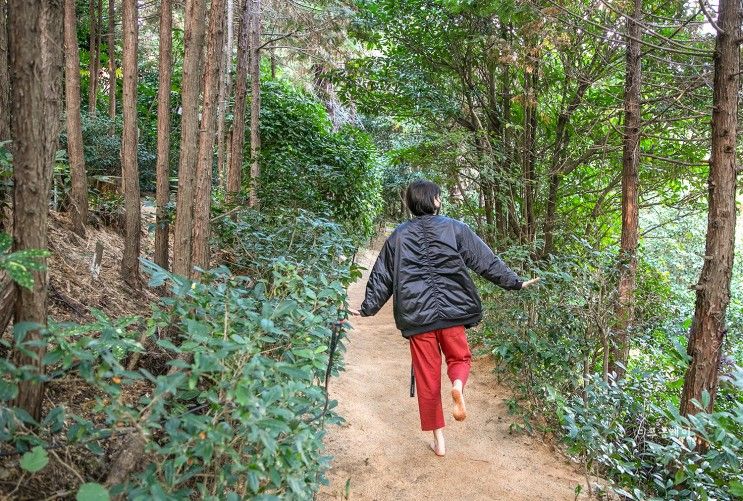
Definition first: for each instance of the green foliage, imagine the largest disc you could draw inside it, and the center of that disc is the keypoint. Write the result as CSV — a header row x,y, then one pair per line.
x,y
306,164
239,409
92,492
102,149
20,265
650,450
34,460
553,339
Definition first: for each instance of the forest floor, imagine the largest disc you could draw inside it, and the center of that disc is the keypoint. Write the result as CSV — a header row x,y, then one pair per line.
x,y
380,452
74,292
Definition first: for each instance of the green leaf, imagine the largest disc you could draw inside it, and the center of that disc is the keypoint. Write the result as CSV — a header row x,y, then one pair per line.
x,y
34,460
8,390
6,241
736,488
92,492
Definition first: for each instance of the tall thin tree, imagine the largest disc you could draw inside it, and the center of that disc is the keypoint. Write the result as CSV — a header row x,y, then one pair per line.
x,y
111,63
202,206
224,93
255,101
129,170
94,57
234,169
35,64
163,134
79,180
531,80
625,309
190,85
713,289
4,76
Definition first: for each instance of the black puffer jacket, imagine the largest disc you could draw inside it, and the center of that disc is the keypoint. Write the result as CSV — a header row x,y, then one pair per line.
x,y
424,265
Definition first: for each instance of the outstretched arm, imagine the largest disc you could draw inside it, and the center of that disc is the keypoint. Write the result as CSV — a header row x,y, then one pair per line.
x,y
480,259
379,286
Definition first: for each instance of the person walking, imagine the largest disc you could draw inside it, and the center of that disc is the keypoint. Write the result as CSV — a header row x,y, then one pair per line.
x,y
423,266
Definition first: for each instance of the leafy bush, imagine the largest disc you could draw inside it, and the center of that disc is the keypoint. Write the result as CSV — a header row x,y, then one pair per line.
x,y
102,150
648,449
554,339
239,410
306,164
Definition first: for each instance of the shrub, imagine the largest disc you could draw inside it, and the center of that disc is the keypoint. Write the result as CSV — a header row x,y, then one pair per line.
x,y
306,164
553,339
240,408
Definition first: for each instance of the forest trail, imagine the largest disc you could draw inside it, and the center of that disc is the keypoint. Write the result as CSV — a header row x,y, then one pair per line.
x,y
381,449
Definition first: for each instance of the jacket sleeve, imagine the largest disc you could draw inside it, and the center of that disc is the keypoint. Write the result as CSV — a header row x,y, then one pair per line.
x,y
480,259
379,286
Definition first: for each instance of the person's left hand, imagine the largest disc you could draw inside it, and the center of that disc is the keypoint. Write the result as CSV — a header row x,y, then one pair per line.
x,y
531,282
354,312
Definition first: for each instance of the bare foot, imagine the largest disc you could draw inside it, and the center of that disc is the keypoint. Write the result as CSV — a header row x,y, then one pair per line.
x,y
438,446
439,452
460,412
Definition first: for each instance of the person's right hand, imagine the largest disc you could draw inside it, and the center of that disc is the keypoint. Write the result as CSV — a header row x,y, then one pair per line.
x,y
531,282
354,312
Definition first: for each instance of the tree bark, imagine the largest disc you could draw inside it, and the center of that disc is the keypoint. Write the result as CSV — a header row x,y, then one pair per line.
x,y
255,101
549,221
35,64
8,296
234,170
129,170
162,194
4,76
224,93
203,199
98,50
111,64
79,180
529,154
190,84
510,213
625,309
713,289
486,186
93,62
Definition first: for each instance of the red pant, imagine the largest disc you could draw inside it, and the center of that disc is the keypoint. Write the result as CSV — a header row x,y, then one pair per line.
x,y
426,350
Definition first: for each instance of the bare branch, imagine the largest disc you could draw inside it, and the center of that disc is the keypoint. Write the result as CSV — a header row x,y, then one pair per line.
x,y
709,18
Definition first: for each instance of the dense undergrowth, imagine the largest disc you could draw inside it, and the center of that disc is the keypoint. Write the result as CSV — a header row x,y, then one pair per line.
x,y
628,432
239,408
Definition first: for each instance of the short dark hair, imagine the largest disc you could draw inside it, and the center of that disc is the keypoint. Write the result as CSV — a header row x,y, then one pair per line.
x,y
420,196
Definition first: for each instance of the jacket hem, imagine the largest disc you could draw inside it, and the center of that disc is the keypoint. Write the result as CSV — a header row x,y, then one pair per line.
x,y
470,321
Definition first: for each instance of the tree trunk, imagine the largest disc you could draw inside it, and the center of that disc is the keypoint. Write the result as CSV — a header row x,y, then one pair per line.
x,y
487,198
93,62
255,101
8,296
79,180
529,154
234,170
111,64
190,84
98,50
35,65
129,170
510,213
624,310
224,93
549,221
203,198
713,290
4,76
162,195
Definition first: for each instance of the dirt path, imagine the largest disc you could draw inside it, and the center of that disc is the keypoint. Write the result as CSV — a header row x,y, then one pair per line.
x,y
382,451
